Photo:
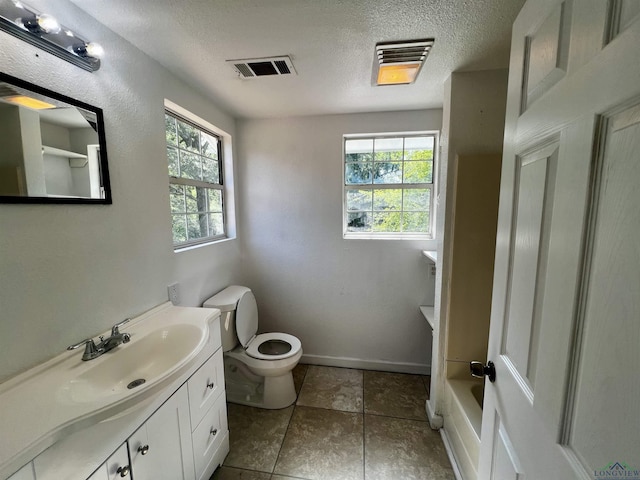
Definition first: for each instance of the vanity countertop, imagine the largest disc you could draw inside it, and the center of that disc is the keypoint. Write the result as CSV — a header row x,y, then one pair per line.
x,y
37,409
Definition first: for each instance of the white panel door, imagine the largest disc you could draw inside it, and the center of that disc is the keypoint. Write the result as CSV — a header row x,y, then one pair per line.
x,y
565,320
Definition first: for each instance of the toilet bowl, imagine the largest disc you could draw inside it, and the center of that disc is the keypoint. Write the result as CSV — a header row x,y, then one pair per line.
x,y
257,368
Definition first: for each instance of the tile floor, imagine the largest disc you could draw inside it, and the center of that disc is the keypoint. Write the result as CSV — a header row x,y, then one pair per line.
x,y
346,425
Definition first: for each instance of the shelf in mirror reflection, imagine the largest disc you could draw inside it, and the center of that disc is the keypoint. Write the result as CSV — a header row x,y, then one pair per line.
x,y
52,154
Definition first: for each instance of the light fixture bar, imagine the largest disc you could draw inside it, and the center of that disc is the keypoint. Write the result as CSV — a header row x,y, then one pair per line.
x,y
44,32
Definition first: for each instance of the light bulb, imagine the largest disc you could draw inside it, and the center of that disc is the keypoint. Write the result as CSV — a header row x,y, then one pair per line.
x,y
48,24
94,50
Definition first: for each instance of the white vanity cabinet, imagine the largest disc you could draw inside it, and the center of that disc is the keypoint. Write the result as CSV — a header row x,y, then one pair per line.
x,y
117,466
161,447
180,432
185,439
208,409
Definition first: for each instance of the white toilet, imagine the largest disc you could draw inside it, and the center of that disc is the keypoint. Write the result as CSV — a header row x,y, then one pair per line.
x,y
257,368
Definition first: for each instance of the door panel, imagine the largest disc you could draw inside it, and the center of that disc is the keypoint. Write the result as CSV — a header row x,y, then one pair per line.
x,y
534,191
545,58
608,354
622,14
505,465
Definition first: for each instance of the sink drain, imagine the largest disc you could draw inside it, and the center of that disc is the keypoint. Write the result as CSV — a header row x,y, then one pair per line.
x,y
136,383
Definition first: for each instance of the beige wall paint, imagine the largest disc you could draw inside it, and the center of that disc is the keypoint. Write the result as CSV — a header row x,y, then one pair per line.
x,y
474,234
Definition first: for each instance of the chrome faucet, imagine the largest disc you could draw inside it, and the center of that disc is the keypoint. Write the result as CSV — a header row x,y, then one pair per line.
x,y
92,350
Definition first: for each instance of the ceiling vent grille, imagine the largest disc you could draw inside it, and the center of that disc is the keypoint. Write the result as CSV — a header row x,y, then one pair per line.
x,y
263,67
414,51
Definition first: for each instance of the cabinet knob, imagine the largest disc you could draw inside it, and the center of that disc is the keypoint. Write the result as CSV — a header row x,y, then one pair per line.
x,y
143,449
214,431
123,471
210,385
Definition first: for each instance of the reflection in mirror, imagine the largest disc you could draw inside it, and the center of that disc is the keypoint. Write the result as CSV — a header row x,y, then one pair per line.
x,y
52,147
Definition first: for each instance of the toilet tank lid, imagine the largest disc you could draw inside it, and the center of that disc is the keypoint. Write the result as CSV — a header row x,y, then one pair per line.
x,y
227,299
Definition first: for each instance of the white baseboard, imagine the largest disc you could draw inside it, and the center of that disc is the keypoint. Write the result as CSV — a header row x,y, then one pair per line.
x,y
452,457
436,421
379,365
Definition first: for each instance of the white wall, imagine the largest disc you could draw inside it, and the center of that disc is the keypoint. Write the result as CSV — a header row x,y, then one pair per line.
x,y
351,302
70,272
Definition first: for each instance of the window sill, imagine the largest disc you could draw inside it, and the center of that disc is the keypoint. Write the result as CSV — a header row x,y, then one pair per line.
x,y
203,244
389,236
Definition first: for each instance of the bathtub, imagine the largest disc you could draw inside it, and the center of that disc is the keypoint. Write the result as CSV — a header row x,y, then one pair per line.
x,y
463,422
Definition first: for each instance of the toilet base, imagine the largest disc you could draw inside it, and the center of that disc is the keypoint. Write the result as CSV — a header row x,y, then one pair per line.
x,y
246,388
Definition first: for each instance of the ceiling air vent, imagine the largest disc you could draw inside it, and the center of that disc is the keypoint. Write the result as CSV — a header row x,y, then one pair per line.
x,y
263,67
400,62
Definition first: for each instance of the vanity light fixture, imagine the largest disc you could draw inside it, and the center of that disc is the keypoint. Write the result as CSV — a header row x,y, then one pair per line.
x,y
44,31
398,63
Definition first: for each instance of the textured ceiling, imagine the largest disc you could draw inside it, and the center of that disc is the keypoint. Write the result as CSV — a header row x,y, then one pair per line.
x,y
331,43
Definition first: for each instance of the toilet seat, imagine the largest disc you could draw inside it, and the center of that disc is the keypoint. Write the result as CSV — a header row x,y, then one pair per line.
x,y
247,327
253,347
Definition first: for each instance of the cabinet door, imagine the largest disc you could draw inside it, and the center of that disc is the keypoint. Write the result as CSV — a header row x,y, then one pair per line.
x,y
162,446
25,473
116,467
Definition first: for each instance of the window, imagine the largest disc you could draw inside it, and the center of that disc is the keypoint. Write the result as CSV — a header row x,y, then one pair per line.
x,y
195,182
388,185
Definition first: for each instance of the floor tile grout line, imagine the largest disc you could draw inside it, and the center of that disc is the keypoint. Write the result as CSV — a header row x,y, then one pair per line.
x,y
364,440
361,412
289,422
364,445
273,472
426,420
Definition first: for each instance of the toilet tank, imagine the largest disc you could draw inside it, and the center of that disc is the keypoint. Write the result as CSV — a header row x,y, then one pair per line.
x,y
226,301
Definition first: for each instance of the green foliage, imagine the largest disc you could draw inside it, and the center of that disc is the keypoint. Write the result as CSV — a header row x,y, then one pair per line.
x,y
193,154
390,167
196,211
372,209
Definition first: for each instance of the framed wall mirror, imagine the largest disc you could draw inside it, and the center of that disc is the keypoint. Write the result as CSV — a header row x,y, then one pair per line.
x,y
52,147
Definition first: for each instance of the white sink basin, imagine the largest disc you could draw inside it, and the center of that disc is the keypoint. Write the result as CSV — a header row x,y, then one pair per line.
x,y
136,365
65,394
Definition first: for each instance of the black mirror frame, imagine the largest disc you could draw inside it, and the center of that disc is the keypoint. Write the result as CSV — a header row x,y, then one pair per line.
x,y
104,168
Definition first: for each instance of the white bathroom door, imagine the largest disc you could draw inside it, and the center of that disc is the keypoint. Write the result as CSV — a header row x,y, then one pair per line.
x,y
565,320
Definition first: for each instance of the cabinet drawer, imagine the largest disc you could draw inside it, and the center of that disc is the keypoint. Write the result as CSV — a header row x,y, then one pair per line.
x,y
205,386
209,435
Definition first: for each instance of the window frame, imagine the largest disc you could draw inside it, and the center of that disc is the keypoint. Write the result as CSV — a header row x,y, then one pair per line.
x,y
220,186
371,235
